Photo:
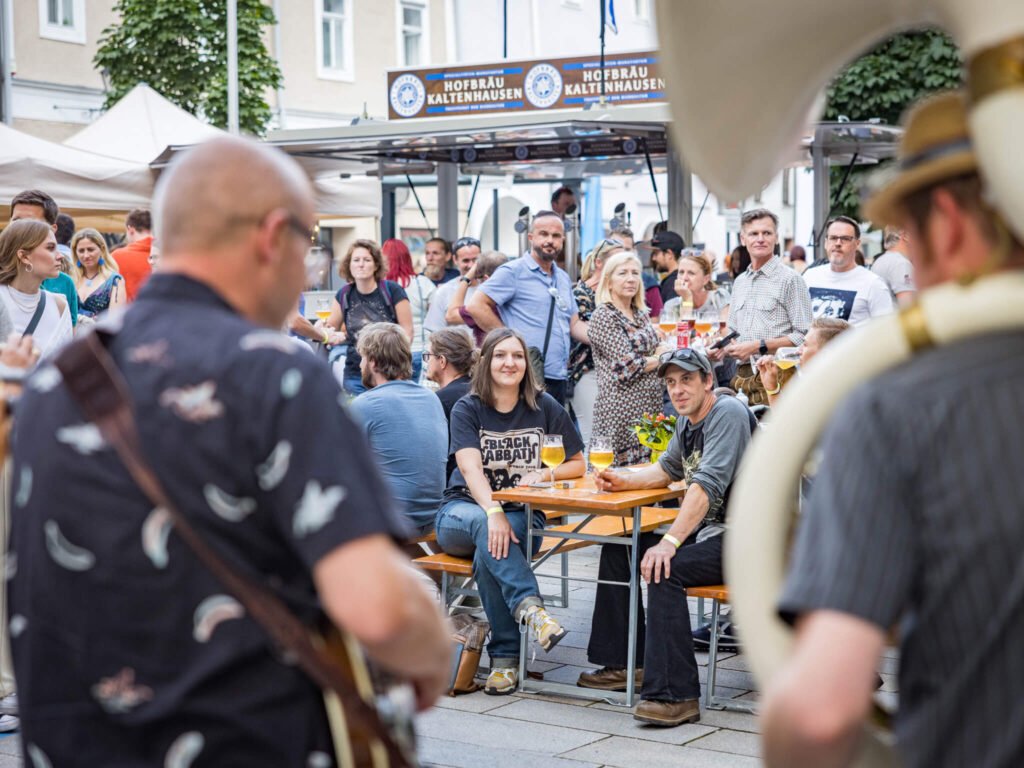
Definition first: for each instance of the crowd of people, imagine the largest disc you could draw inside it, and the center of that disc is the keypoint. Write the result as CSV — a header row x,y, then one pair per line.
x,y
515,352
518,356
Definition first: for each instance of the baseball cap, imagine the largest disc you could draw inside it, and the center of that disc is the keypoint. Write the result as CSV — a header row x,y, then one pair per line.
x,y
688,359
665,241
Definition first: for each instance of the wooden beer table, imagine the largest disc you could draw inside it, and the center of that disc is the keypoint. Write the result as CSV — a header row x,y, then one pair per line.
x,y
582,499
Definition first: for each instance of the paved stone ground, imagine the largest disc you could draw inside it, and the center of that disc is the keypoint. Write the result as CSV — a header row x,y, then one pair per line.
x,y
561,732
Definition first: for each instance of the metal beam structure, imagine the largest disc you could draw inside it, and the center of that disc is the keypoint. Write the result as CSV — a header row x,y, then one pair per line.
x,y
448,201
680,196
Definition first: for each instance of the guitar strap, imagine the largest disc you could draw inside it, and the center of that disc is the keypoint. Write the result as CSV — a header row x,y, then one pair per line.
x,y
97,386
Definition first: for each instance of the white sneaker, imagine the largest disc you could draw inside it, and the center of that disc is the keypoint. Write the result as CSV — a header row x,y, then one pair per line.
x,y
546,631
9,705
502,681
9,723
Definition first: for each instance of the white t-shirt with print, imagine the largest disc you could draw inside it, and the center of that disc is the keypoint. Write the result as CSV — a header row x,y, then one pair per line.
x,y
855,295
896,270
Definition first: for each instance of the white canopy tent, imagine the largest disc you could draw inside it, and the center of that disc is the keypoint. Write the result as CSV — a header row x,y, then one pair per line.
x,y
96,190
143,125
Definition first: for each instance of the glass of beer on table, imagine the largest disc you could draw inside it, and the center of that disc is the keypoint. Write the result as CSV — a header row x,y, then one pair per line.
x,y
668,320
552,453
602,455
323,308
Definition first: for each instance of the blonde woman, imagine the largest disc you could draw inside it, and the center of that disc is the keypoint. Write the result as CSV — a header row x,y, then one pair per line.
x,y
626,350
28,255
99,283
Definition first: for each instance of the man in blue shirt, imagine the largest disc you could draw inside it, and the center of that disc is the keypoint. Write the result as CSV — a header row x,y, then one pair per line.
x,y
534,297
404,422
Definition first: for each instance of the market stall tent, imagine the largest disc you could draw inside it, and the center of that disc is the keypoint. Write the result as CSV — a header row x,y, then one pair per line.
x,y
144,125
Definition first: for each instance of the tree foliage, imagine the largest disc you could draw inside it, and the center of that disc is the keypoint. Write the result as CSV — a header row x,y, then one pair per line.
x,y
882,84
179,48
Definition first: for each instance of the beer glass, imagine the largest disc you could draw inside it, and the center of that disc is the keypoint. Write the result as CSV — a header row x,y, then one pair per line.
x,y
323,308
552,453
668,321
787,357
602,454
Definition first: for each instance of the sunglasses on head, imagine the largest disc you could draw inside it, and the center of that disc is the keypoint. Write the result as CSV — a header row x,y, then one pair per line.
x,y
462,242
684,354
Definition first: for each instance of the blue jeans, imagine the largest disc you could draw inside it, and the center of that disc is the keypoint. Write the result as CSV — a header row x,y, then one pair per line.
x,y
417,366
353,385
503,584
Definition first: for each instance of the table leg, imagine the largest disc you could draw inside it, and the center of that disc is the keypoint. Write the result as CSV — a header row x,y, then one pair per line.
x,y
634,594
524,640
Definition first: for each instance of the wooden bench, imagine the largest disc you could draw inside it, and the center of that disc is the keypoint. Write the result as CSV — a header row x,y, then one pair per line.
x,y
717,594
605,525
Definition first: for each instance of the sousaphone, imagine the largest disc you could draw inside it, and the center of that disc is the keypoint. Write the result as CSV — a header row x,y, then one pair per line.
x,y
746,74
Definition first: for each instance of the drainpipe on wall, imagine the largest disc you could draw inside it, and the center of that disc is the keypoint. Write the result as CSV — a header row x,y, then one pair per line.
x,y
6,42
277,55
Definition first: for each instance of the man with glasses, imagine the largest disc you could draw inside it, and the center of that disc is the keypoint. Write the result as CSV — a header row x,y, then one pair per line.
x,y
711,435
534,297
466,251
842,289
247,434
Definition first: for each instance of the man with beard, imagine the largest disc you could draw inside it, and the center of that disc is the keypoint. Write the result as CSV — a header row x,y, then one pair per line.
x,y
466,251
534,297
437,255
843,289
404,422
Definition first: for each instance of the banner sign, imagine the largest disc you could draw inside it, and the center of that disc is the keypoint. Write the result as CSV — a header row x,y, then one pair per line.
x,y
521,86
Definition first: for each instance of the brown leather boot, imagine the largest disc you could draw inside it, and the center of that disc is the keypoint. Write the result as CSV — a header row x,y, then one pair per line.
x,y
609,679
667,713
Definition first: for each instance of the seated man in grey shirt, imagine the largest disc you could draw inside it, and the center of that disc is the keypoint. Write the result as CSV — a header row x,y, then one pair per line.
x,y
710,438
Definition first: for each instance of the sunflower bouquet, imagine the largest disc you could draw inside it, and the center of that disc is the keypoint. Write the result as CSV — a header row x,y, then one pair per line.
x,y
654,431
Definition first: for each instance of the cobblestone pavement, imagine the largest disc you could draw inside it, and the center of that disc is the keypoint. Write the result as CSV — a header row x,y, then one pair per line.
x,y
561,732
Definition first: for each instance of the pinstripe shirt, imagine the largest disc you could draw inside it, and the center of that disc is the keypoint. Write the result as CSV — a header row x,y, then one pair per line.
x,y
917,514
770,302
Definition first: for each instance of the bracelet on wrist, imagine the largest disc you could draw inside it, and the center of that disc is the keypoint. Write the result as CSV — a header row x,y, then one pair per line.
x,y
327,337
494,510
778,388
672,540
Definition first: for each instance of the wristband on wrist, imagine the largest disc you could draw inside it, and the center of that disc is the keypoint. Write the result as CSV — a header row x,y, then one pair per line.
x,y
778,388
327,337
494,510
672,540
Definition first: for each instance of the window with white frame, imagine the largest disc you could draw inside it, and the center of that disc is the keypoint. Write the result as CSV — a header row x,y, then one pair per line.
x,y
62,20
413,33
334,39
642,10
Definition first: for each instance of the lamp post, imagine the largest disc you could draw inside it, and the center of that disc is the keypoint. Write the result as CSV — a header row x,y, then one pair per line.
x,y
233,66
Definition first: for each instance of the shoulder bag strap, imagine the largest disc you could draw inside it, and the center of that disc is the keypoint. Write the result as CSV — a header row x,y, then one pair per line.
x,y
37,315
547,333
97,386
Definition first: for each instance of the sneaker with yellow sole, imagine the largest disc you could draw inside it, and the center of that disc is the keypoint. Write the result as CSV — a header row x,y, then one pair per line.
x,y
545,630
502,681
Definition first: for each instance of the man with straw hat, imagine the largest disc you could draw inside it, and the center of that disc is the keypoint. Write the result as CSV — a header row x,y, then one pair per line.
x,y
926,534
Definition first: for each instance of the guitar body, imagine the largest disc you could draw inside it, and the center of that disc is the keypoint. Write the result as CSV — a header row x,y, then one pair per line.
x,y
395,704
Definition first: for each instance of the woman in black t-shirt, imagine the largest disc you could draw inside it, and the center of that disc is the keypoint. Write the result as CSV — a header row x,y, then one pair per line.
x,y
367,298
496,435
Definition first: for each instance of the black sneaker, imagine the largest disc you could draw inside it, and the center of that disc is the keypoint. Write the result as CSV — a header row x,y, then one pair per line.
x,y
727,638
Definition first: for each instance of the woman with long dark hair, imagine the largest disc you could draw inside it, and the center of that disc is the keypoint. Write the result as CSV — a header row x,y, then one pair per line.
x,y
497,432
420,290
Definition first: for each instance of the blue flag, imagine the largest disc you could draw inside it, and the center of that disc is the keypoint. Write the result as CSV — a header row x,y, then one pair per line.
x,y
610,18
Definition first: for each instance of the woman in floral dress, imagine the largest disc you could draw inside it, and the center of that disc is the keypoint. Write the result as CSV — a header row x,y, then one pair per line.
x,y
625,346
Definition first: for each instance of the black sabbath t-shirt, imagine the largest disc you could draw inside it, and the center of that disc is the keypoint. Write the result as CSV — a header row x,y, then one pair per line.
x,y
509,443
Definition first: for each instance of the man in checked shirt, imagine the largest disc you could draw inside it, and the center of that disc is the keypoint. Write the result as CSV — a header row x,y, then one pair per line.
x,y
771,306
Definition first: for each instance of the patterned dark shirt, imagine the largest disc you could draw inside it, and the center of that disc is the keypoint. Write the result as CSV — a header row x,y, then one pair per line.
x,y
915,517
581,358
127,650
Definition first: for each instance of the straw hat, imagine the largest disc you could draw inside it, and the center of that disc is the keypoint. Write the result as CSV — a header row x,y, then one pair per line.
x,y
935,146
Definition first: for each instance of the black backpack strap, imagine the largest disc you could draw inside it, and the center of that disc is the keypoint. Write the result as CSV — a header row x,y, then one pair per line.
x,y
37,315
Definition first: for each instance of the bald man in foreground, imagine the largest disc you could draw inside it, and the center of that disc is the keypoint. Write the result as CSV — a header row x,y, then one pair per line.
x,y
127,650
